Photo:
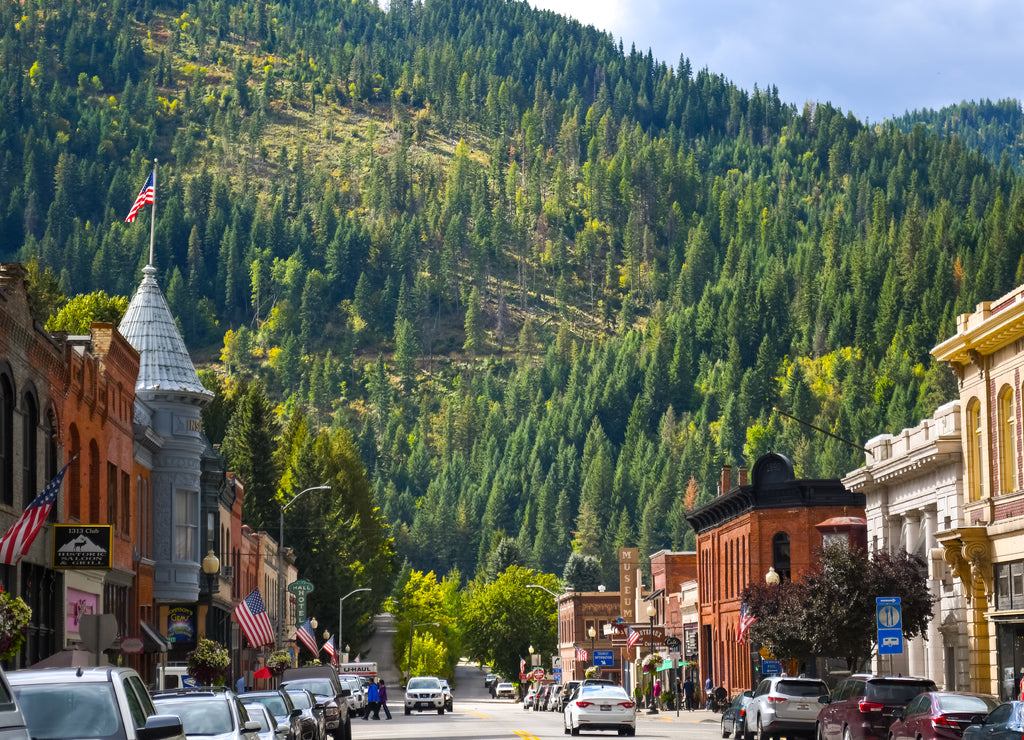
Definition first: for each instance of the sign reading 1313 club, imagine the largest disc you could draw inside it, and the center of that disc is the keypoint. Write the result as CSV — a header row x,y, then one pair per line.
x,y
82,545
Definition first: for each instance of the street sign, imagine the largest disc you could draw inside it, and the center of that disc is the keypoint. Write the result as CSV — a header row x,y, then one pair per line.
x,y
534,660
769,667
556,662
889,621
645,635
558,675
604,658
524,676
538,674
890,642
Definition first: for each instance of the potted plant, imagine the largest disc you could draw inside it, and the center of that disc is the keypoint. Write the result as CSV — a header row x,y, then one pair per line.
x,y
278,661
14,617
208,663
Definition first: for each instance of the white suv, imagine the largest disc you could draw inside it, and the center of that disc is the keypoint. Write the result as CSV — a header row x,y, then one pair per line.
x,y
783,705
424,692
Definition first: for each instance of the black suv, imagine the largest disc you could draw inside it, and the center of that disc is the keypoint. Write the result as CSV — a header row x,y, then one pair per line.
x,y
862,706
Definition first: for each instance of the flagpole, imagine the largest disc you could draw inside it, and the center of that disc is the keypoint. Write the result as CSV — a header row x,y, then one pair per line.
x,y
152,215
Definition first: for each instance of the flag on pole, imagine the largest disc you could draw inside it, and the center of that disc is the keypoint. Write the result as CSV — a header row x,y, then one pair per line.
x,y
15,543
581,655
305,633
146,195
329,649
254,621
746,619
522,665
632,638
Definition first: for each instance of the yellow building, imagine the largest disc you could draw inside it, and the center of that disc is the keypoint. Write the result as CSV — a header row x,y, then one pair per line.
x,y
986,553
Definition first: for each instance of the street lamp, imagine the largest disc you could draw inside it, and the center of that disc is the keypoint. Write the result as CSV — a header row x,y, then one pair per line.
x,y
593,633
558,617
341,611
652,612
211,565
771,577
412,634
280,563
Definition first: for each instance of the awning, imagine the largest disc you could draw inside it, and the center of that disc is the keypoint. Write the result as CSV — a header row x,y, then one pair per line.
x,y
71,658
152,640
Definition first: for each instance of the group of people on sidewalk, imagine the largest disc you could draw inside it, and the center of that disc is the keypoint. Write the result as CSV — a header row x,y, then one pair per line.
x,y
690,690
377,699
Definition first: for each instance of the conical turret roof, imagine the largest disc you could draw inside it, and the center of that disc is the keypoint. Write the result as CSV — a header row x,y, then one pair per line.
x,y
164,362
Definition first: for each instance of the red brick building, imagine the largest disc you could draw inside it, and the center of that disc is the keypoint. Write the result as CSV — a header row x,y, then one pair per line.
x,y
772,522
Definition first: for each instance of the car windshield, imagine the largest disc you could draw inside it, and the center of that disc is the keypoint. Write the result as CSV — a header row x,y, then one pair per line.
x,y
70,710
300,699
319,686
424,683
199,716
259,714
274,703
960,703
802,688
896,692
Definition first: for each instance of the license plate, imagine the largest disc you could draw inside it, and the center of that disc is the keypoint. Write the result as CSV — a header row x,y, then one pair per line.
x,y
803,707
606,707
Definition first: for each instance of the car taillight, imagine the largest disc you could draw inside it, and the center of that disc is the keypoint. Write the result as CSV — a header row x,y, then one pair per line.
x,y
743,713
584,704
776,699
944,721
626,704
869,706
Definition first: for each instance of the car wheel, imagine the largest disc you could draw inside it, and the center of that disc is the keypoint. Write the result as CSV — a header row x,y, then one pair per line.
x,y
440,710
574,731
407,711
725,730
761,734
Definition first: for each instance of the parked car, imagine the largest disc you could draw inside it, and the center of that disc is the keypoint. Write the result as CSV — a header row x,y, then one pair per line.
x,y
314,725
863,705
447,691
490,679
734,718
281,706
424,693
600,707
352,688
208,711
12,721
552,704
541,700
784,705
71,703
325,685
568,689
505,691
270,728
939,715
530,696
1005,722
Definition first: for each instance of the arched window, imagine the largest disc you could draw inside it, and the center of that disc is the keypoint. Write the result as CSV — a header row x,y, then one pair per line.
x,y
6,440
73,488
780,555
30,449
94,483
1007,441
974,450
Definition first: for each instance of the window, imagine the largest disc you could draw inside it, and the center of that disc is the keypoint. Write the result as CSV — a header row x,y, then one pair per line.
x,y
7,440
94,482
112,495
186,525
30,450
780,555
126,510
1007,441
974,450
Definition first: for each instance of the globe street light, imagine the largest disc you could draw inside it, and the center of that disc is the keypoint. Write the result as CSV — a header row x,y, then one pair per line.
x,y
652,612
593,633
211,565
412,635
771,577
280,563
341,611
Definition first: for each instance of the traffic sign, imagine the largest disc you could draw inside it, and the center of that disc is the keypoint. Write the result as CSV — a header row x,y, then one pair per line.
x,y
538,674
558,675
890,642
889,613
769,667
604,658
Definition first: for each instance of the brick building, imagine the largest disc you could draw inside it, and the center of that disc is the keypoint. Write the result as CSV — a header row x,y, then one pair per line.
x,y
770,522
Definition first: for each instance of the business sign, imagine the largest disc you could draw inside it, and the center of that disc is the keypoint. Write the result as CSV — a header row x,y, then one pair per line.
x,y
645,635
604,658
889,622
301,589
629,561
82,546
181,624
79,604
770,667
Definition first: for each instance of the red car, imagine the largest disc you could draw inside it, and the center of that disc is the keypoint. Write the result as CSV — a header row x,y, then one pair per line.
x,y
939,715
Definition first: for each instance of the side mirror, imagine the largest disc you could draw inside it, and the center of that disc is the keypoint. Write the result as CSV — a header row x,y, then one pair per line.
x,y
346,692
160,726
251,726
824,699
978,719
295,713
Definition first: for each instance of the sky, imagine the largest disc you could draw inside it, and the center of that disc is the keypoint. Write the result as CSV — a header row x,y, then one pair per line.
x,y
874,58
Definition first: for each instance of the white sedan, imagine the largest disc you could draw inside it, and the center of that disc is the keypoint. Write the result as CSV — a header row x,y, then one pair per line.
x,y
600,707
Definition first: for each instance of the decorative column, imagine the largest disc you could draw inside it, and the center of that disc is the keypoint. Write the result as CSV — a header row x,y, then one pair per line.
x,y
968,552
936,566
915,648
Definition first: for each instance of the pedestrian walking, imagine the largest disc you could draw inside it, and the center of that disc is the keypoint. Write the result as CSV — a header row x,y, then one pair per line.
x,y
372,701
657,692
688,692
382,698
708,686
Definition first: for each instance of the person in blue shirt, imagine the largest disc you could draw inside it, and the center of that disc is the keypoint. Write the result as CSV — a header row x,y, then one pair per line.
x,y
372,701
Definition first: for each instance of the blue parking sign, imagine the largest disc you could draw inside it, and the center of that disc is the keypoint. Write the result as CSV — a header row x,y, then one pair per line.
x,y
890,642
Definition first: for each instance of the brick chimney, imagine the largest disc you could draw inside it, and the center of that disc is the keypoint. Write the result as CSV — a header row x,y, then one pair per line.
x,y
743,475
726,480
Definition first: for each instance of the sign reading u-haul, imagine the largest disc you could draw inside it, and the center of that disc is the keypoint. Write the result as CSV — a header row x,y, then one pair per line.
x,y
82,545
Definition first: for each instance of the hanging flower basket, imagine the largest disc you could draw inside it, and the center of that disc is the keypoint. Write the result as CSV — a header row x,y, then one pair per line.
x,y
14,617
278,661
208,663
651,662
593,672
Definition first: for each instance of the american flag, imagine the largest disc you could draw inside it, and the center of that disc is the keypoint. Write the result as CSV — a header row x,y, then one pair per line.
x,y
581,655
254,621
305,633
746,619
522,665
15,544
329,648
146,195
632,638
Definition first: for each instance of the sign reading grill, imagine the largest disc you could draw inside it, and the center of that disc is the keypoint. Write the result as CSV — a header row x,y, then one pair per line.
x,y
82,545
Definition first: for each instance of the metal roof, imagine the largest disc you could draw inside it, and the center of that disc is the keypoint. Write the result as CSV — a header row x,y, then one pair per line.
x,y
164,362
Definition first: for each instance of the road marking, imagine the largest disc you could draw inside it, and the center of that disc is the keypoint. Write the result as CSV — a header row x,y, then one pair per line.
x,y
525,735
475,714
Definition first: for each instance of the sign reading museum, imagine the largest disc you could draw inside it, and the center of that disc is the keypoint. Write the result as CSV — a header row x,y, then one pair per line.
x,y
82,546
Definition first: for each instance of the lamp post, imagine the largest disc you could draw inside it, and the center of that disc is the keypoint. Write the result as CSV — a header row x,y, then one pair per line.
x,y
652,612
558,618
280,564
211,566
412,635
771,577
341,611
593,634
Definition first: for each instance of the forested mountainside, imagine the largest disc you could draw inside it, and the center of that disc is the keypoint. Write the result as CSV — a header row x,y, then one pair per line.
x,y
550,285
997,129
